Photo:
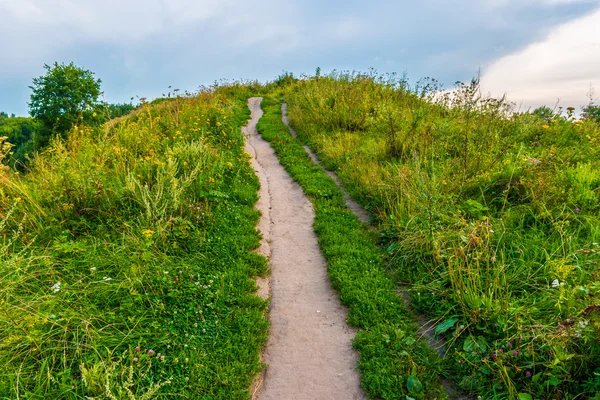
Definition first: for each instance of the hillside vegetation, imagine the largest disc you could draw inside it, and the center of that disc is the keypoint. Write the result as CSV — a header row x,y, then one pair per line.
x,y
125,259
489,218
126,246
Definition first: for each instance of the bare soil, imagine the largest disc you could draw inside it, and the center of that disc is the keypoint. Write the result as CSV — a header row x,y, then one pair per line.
x,y
309,352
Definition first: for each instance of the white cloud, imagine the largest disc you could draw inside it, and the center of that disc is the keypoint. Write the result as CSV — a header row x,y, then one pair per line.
x,y
560,67
110,19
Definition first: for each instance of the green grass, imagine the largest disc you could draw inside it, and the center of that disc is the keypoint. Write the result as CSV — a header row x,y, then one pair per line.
x,y
393,363
126,260
489,217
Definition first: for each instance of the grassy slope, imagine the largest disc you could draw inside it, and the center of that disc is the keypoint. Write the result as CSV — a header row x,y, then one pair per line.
x,y
393,363
125,260
492,221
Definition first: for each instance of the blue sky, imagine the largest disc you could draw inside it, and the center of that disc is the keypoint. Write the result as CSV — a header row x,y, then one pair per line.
x,y
536,50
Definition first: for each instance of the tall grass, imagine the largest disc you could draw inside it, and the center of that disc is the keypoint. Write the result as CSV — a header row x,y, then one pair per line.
x,y
490,218
125,259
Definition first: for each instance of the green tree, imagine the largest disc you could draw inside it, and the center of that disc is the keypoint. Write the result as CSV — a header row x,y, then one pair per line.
x,y
65,96
118,110
544,113
591,111
19,132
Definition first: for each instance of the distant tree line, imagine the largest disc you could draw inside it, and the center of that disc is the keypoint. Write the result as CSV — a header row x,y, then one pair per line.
x,y
64,97
20,132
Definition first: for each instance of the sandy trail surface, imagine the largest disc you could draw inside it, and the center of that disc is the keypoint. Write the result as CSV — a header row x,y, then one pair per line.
x,y
309,352
362,215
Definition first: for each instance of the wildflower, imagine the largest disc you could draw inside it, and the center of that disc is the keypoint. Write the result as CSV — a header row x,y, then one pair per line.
x,y
150,352
211,179
545,126
56,287
528,374
229,165
137,348
135,359
508,344
577,209
516,353
93,269
147,233
555,283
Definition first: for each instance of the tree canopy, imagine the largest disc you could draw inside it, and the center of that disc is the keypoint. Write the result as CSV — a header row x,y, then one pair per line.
x,y
65,96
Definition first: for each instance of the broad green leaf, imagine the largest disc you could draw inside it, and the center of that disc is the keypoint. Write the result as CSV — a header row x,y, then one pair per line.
x,y
444,326
470,344
525,396
414,385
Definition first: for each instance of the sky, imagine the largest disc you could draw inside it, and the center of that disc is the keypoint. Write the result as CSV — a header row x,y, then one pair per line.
x,y
536,51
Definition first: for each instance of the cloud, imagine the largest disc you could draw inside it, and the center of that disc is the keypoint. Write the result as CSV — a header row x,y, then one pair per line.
x,y
562,66
143,46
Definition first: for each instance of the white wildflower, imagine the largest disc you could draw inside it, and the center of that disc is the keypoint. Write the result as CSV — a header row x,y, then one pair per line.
x,y
555,283
56,287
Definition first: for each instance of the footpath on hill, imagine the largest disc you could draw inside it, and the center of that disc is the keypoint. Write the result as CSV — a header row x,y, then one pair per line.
x,y
309,353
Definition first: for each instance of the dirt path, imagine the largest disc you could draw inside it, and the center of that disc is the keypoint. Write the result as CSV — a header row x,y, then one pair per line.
x,y
362,215
426,327
309,352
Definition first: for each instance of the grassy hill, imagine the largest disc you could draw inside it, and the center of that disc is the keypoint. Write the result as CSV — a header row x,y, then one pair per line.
x,y
489,218
126,251
125,260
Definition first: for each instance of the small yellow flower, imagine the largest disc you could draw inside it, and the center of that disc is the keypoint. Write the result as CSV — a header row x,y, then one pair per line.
x,y
147,233
553,121
545,126
211,179
229,165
